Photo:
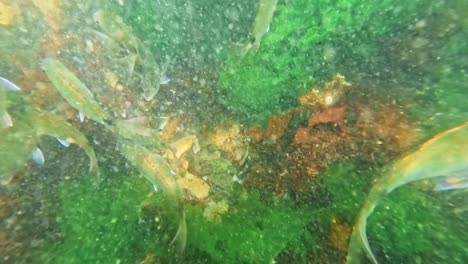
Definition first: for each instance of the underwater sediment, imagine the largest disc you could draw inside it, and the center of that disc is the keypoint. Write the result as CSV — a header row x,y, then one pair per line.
x,y
229,132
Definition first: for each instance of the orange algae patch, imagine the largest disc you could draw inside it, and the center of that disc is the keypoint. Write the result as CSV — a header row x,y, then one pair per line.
x,y
195,185
52,10
329,94
330,115
338,234
277,126
255,134
230,139
387,125
181,146
171,128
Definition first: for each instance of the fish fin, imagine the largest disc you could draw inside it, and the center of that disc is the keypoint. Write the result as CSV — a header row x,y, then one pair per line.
x,y
164,79
149,95
140,125
81,117
452,183
37,156
180,237
64,142
9,85
6,120
359,242
131,65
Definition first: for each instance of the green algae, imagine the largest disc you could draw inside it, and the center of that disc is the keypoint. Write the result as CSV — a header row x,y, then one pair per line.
x,y
408,214
252,232
347,186
411,221
309,42
442,103
103,224
407,223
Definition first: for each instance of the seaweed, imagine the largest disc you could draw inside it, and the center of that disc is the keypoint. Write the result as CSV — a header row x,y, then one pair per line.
x,y
102,223
307,43
251,232
347,185
410,222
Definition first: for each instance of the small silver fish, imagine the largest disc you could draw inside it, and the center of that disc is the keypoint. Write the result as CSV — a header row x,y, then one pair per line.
x,y
46,123
159,173
150,74
73,90
261,24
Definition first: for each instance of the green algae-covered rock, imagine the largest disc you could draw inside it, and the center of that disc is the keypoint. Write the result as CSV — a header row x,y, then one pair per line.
x,y
104,224
347,186
308,42
410,222
250,232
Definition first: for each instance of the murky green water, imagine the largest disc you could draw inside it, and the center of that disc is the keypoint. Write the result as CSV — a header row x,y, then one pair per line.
x,y
257,131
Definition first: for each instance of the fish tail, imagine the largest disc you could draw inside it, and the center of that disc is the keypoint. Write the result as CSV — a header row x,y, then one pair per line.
x,y
180,238
245,49
93,164
357,243
359,240
239,51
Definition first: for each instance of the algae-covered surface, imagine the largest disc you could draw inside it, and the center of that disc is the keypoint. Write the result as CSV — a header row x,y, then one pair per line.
x,y
248,131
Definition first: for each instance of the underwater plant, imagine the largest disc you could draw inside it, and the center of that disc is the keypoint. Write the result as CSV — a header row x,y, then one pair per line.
x,y
97,227
307,43
250,232
77,94
444,155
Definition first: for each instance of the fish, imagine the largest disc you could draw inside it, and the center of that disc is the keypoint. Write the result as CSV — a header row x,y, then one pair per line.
x,y
121,47
114,26
139,56
45,123
138,129
261,24
150,80
73,90
159,173
443,156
